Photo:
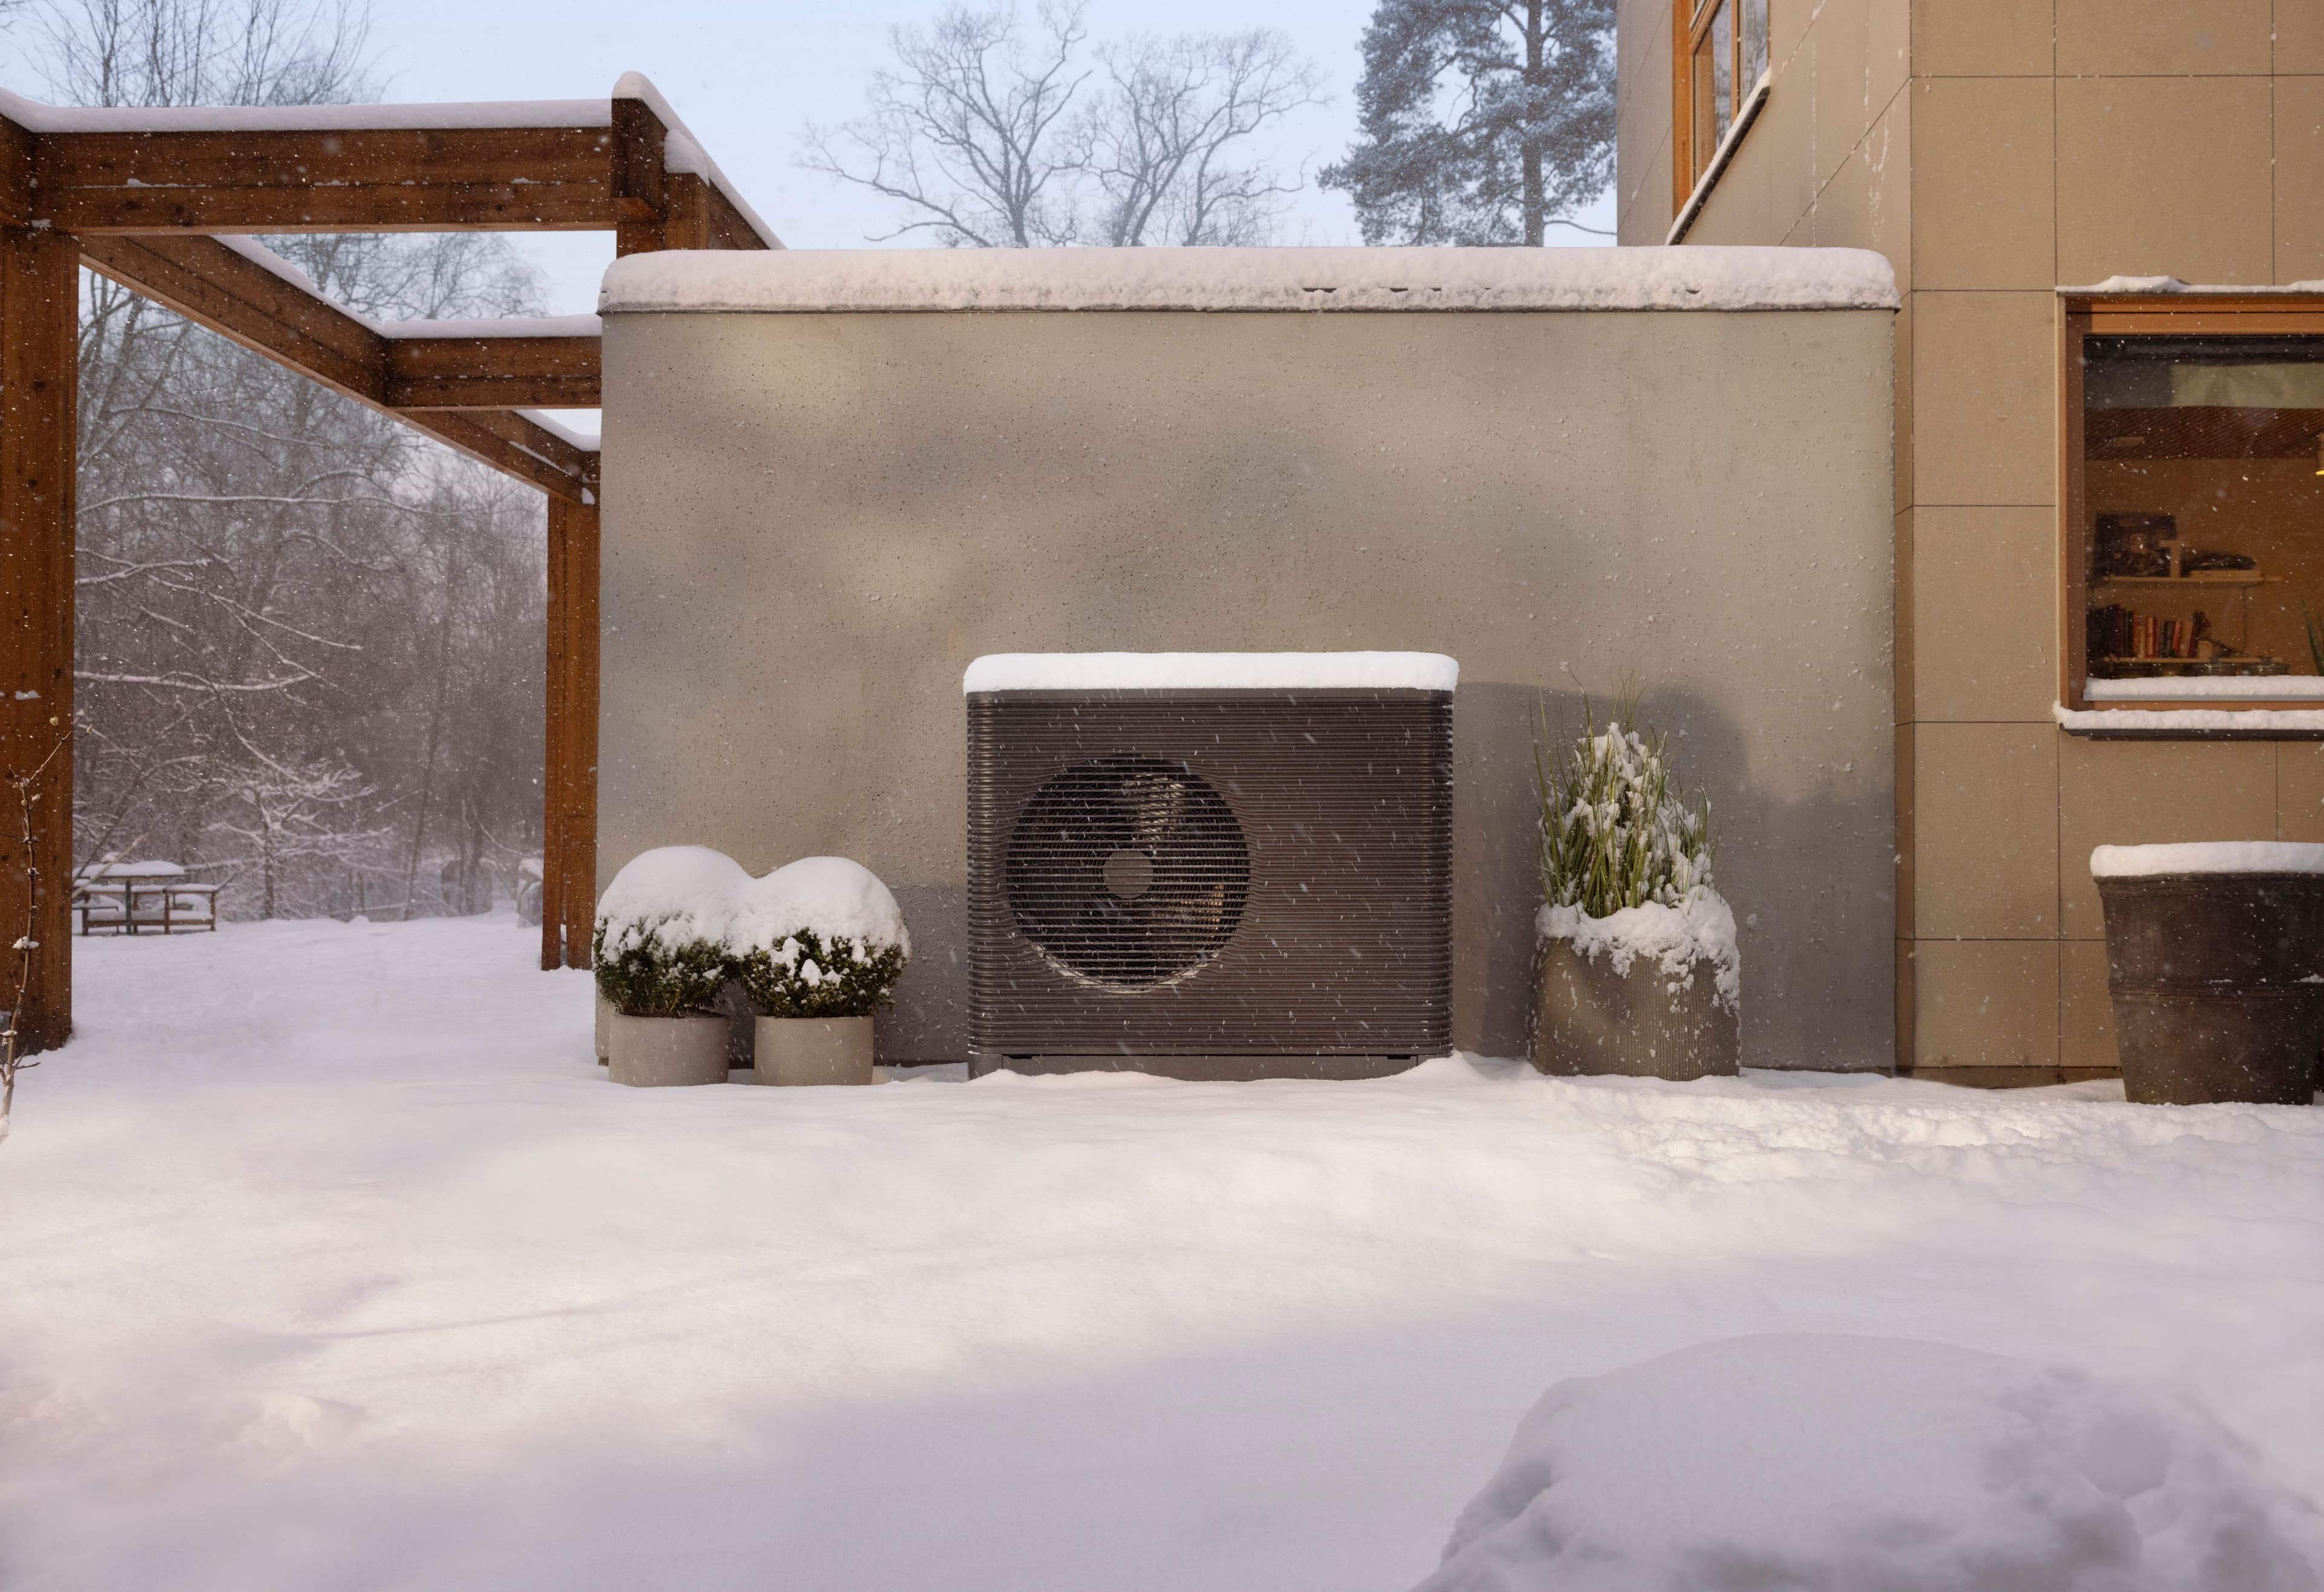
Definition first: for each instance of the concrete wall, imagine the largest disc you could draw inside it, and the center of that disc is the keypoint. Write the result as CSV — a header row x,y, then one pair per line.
x,y
1993,149
813,521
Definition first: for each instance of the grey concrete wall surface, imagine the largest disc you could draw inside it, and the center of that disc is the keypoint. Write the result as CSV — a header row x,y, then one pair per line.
x,y
813,521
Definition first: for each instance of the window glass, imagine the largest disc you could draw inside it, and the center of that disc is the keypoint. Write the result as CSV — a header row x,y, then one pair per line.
x,y
1722,75
2203,516
1754,45
1709,121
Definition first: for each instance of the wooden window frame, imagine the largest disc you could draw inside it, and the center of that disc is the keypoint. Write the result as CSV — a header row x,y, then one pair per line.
x,y
2087,315
1691,22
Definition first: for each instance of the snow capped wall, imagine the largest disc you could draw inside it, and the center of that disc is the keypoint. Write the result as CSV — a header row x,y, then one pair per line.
x,y
869,280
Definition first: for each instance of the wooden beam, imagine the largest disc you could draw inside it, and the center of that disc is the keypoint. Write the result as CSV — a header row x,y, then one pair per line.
x,y
211,284
381,179
568,875
40,352
659,209
492,373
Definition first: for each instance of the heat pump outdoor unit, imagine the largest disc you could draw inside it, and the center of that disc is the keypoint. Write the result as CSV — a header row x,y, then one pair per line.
x,y
1210,865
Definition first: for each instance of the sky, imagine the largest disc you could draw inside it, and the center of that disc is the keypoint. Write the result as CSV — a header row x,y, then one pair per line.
x,y
748,77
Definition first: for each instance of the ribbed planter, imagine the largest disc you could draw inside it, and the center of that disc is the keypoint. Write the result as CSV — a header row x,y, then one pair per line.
x,y
1588,1018
812,1051
2217,976
656,1053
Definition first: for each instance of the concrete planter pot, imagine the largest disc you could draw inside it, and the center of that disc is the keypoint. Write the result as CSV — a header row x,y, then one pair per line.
x,y
2211,976
812,1050
654,1052
1590,1019
604,1029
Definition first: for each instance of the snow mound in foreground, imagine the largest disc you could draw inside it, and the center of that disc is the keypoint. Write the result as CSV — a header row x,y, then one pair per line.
x,y
1810,1462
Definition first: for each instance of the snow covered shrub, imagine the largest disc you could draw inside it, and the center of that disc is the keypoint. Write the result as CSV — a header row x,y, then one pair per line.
x,y
1615,831
1625,860
659,947
821,937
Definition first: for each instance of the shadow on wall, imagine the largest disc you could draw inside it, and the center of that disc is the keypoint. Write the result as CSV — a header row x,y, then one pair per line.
x,y
1821,994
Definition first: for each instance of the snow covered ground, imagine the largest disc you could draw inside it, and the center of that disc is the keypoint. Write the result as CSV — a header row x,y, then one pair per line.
x,y
328,1259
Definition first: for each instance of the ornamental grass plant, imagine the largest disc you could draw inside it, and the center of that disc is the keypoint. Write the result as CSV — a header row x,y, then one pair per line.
x,y
1616,830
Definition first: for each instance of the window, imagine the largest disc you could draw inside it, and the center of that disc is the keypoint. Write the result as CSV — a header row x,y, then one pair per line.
x,y
1722,54
2194,493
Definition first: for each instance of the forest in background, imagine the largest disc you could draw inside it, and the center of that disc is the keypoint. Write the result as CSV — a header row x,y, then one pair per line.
x,y
309,660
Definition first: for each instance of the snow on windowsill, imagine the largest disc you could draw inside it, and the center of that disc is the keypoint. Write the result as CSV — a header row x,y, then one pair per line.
x,y
904,281
2143,286
2237,688
2207,857
1185,671
2188,720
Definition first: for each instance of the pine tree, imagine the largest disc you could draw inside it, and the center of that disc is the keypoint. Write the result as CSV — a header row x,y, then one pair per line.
x,y
1483,121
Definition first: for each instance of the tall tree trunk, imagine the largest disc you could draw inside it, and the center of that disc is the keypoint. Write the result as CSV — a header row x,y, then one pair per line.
x,y
1536,204
434,724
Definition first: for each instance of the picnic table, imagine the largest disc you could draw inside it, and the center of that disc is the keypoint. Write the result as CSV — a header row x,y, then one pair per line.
x,y
141,898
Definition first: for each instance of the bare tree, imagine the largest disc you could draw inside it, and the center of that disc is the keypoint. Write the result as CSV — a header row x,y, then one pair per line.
x,y
969,131
987,139
1159,141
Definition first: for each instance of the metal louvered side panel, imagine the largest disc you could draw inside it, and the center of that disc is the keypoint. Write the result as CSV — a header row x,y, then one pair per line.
x,y
1343,942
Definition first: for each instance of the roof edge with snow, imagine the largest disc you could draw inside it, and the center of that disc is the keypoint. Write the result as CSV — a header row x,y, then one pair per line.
x,y
1211,671
905,280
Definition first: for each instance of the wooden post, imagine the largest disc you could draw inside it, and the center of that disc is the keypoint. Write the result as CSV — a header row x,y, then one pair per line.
x,y
39,287
568,886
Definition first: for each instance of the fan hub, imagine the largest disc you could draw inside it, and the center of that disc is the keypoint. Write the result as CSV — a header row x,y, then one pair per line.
x,y
1129,873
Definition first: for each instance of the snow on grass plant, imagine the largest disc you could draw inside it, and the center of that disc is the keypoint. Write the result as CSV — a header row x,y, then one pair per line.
x,y
1625,857
821,937
659,946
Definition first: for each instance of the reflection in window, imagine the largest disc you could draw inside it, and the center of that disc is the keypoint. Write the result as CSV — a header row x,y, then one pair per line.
x,y
1726,57
2203,516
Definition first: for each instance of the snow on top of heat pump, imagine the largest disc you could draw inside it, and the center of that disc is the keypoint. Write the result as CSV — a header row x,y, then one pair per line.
x,y
2207,857
874,281
1210,671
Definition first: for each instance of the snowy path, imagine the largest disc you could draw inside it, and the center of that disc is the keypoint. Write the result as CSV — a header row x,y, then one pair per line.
x,y
328,1259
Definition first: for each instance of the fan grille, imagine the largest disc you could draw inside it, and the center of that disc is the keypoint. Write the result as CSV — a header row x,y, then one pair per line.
x,y
1128,872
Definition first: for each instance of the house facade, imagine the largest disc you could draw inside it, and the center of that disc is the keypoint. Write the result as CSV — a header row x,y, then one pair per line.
x,y
2109,503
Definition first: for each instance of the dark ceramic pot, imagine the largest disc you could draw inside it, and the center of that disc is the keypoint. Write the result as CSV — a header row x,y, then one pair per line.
x,y
2218,982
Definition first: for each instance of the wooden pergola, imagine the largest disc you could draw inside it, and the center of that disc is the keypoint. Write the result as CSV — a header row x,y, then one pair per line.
x,y
155,199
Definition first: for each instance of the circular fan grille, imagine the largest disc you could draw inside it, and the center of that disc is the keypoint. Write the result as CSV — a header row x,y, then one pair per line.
x,y
1128,872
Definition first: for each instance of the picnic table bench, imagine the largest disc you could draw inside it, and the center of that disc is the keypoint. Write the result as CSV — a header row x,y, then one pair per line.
x,y
141,898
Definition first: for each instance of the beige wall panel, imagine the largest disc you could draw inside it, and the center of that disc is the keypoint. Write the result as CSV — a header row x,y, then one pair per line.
x,y
1907,639
1840,74
1907,845
2144,37
2299,37
2299,132
1984,398
1982,38
1984,1003
1985,829
1642,219
1906,963
1984,605
2300,791
2084,1009
1983,178
813,521
1904,422
1868,204
1770,184
2144,792
1642,122
2164,177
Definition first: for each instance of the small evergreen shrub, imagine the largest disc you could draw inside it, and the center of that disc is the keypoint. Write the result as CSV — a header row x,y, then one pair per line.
x,y
650,970
804,976
821,937
1616,831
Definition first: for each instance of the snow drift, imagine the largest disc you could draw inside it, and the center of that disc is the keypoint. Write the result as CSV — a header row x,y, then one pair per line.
x,y
1804,1461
